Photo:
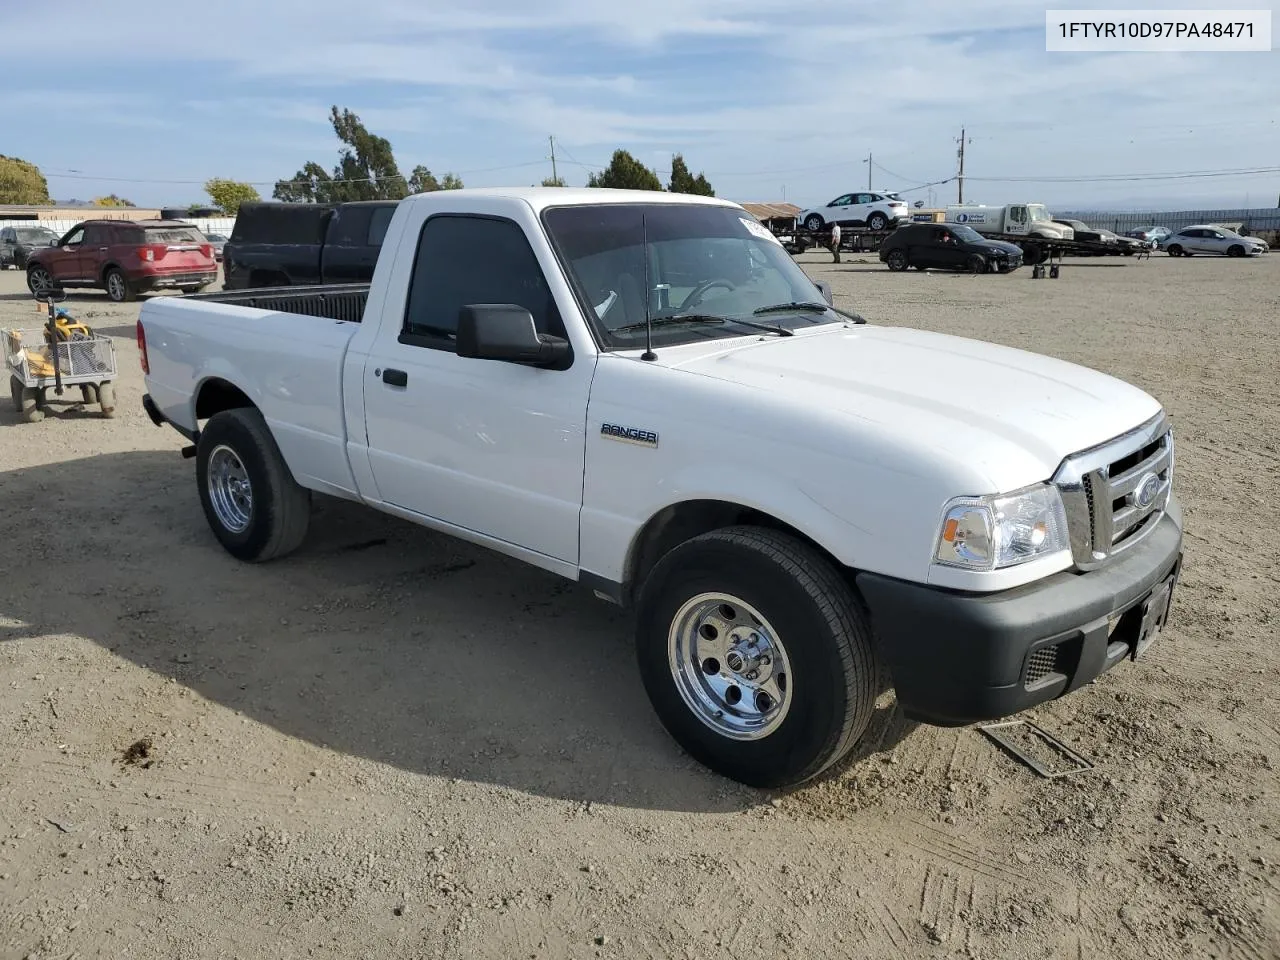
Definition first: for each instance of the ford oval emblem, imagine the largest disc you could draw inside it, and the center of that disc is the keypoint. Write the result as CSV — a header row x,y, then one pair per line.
x,y
1148,487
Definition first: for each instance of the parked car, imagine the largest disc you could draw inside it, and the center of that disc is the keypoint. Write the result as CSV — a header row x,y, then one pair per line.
x,y
16,244
562,375
217,241
278,244
125,258
1151,235
1125,246
1207,238
947,246
876,210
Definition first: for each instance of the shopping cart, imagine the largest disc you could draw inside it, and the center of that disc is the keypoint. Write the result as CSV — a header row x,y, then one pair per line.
x,y
59,355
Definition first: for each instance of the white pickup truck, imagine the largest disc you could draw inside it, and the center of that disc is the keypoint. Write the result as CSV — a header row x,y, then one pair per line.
x,y
644,393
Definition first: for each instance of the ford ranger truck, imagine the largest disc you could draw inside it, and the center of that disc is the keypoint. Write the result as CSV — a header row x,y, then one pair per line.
x,y
643,392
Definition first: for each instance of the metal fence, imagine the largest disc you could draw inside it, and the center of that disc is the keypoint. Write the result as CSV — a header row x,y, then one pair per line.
x,y
1254,221
220,225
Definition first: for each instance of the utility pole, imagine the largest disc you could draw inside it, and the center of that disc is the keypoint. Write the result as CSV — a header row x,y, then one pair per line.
x,y
869,187
960,176
554,177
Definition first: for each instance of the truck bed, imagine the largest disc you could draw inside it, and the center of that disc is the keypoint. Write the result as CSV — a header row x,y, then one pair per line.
x,y
337,301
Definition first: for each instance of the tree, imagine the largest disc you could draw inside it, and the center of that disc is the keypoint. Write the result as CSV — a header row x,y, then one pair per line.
x,y
112,201
22,182
366,170
553,182
625,172
682,181
227,195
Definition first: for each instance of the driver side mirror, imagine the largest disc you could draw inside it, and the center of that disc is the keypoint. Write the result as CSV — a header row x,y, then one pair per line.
x,y
506,332
825,289
55,242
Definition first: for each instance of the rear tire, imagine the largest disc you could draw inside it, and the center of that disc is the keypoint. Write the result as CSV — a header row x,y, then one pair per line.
x,y
107,399
119,290
877,221
742,601
253,504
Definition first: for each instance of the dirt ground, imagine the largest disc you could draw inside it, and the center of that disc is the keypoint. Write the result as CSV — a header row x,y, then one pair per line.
x,y
392,744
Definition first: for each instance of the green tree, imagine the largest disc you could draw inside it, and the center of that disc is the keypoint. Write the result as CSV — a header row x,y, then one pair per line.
x,y
423,180
22,182
553,182
625,172
366,169
227,195
111,200
682,181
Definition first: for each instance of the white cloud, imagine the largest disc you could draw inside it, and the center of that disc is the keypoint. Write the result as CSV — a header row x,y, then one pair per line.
x,y
757,93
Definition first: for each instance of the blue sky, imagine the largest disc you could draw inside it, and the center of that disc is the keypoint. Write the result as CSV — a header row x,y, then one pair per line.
x,y
767,97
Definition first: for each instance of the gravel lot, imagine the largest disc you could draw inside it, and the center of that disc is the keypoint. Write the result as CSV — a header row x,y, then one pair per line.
x,y
396,745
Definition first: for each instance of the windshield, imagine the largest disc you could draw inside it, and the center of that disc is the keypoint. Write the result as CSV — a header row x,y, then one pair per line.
x,y
965,233
1038,212
30,235
702,260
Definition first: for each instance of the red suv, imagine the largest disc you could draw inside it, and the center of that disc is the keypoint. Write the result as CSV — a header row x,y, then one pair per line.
x,y
125,258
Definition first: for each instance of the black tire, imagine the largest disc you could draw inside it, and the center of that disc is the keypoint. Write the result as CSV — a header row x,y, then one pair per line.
x,y
107,398
877,221
118,288
1032,254
39,279
32,407
15,393
814,223
1235,250
280,509
897,260
978,263
827,645
1174,250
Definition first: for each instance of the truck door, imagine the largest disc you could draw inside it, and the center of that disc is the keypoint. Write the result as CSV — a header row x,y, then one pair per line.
x,y
1019,220
496,448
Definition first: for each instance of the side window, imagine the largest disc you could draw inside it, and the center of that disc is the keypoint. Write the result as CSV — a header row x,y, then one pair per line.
x,y
471,259
6,235
349,227
378,225
74,239
842,201
95,235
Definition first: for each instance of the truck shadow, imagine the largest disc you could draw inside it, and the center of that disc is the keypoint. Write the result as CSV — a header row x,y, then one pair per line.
x,y
378,638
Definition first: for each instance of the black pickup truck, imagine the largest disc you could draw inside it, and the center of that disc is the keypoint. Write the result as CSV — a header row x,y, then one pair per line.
x,y
295,244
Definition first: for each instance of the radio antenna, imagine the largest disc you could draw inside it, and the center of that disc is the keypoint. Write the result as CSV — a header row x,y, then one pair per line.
x,y
648,294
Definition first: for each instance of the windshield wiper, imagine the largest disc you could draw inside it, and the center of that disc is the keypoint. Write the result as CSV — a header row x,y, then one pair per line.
x,y
703,318
808,305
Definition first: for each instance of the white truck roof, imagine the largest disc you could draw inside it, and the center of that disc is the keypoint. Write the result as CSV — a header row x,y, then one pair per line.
x,y
541,197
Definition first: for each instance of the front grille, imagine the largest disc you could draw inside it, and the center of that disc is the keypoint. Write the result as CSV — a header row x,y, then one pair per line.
x,y
1116,493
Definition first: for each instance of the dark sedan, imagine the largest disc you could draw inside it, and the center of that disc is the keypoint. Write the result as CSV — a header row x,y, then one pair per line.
x,y
947,246
16,244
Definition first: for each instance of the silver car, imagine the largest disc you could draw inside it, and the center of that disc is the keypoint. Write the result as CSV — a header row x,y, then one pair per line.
x,y
1207,238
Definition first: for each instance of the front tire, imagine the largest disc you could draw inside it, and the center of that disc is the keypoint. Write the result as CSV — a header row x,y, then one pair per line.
x,y
897,260
253,504
39,280
977,263
756,655
1174,250
1235,250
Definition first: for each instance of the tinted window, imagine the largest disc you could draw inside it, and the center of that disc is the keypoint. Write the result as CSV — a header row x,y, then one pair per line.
x,y
349,226
95,233
463,260
378,225
173,234
281,223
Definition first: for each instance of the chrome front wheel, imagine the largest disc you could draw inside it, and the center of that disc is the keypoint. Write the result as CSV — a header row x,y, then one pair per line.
x,y
730,666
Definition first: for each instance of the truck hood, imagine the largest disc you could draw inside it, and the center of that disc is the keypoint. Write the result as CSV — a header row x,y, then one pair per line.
x,y
1007,413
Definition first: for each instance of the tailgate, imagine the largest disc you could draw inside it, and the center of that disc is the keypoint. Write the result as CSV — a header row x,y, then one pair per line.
x,y
178,249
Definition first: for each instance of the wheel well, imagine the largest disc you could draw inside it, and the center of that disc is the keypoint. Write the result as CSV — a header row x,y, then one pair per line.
x,y
673,525
107,269
217,395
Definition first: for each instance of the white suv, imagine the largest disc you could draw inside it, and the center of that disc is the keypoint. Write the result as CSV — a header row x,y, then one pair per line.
x,y
874,209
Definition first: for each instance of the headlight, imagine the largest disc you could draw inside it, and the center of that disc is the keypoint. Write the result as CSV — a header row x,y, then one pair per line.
x,y
988,533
